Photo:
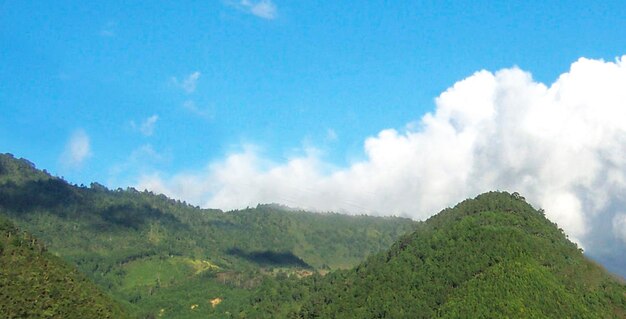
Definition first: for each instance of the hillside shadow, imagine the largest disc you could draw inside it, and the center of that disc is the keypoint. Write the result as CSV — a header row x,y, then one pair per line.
x,y
102,210
135,216
43,194
270,258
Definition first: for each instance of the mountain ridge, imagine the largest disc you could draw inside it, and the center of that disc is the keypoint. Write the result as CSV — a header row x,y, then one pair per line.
x,y
491,256
146,249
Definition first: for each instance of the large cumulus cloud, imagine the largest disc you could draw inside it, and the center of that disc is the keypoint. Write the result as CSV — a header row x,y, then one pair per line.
x,y
562,146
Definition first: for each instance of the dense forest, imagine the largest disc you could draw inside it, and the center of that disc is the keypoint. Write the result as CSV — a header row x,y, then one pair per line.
x,y
129,253
37,284
159,256
490,257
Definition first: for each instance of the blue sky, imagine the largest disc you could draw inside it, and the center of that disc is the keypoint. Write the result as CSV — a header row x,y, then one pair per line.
x,y
377,107
326,75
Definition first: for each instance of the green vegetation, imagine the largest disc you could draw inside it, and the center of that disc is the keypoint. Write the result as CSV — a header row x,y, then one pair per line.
x,y
36,284
493,256
153,253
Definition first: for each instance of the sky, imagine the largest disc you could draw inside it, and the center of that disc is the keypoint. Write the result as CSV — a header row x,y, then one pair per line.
x,y
400,108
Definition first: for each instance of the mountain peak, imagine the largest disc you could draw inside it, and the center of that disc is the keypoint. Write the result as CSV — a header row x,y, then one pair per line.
x,y
490,256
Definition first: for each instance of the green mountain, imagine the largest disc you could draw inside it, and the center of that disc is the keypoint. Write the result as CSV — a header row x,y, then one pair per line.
x,y
36,284
166,258
492,256
489,257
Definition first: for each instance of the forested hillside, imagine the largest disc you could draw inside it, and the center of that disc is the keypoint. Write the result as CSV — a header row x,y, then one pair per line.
x,y
164,257
36,284
489,257
492,256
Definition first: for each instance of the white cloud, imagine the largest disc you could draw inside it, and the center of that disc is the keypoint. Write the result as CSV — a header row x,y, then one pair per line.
x,y
264,9
562,146
189,83
77,150
619,226
147,126
191,106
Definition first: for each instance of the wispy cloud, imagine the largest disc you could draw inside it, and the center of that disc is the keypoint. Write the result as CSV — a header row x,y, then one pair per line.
x,y
563,146
143,159
205,113
147,126
109,29
331,135
619,226
77,150
189,83
264,9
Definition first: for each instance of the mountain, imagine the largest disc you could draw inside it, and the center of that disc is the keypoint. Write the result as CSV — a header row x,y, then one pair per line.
x,y
36,284
166,258
493,256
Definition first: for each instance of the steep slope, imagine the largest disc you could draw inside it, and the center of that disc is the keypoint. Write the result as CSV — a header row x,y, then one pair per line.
x,y
36,284
158,254
492,256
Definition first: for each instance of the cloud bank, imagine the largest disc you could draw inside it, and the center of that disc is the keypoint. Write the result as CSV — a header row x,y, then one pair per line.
x,y
562,146
77,150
